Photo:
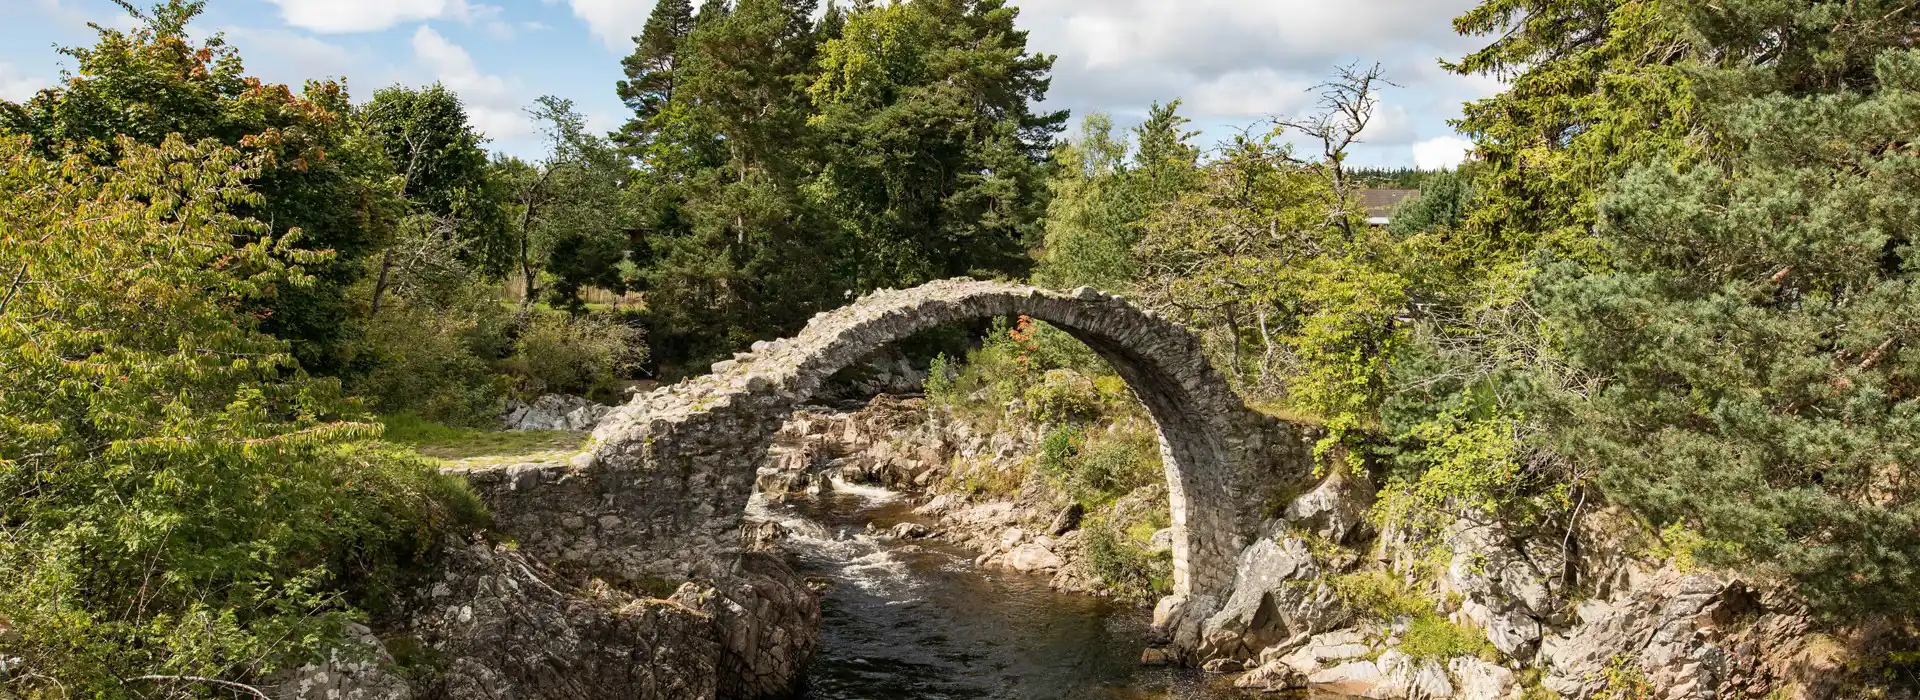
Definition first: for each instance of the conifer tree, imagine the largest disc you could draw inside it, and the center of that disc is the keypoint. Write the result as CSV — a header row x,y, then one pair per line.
x,y
653,69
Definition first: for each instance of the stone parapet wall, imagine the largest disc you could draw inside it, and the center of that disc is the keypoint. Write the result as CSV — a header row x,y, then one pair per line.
x,y
661,491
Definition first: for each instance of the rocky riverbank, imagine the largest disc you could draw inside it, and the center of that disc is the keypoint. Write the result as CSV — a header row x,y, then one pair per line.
x,y
1322,601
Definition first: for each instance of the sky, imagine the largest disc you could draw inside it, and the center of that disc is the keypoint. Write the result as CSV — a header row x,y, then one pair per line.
x,y
1234,63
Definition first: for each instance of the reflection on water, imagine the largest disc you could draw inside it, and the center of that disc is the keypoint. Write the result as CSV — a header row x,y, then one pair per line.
x,y
920,621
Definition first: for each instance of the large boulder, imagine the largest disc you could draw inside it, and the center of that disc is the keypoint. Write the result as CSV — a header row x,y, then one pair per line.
x,y
1393,676
1336,510
1504,590
1278,592
1671,630
501,625
554,412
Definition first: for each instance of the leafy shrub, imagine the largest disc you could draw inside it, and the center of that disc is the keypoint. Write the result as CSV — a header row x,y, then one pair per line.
x,y
1129,571
1379,593
941,376
1096,466
1430,636
1453,463
1115,462
433,362
1062,396
1058,449
177,497
584,354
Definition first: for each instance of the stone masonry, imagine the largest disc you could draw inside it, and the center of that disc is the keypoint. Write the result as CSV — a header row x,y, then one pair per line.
x,y
660,493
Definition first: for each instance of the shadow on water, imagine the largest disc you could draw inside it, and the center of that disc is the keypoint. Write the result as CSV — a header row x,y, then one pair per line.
x,y
919,620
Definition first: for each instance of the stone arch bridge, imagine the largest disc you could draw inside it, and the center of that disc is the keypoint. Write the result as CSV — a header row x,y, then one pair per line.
x,y
662,489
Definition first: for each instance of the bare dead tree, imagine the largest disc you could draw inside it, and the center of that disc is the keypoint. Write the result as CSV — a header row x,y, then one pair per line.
x,y
1347,105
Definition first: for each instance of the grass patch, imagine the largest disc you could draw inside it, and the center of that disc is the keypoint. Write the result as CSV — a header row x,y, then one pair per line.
x,y
1381,594
1122,561
478,447
1430,636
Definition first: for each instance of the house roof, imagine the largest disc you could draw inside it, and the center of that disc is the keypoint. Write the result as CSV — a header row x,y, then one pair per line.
x,y
1381,203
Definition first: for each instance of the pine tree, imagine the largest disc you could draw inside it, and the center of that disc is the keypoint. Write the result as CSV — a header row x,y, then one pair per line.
x,y
653,70
936,155
1751,341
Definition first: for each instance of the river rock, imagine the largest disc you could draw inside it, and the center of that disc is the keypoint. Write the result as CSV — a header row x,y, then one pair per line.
x,y
1161,542
1068,520
1336,510
554,412
910,531
1277,593
1394,676
1325,650
1272,677
1479,680
1032,557
1220,667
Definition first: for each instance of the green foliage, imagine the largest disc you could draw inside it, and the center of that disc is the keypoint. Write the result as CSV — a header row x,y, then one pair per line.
x,y
1433,637
1623,680
443,174
939,386
315,176
1445,201
585,355
1062,396
1098,464
1101,201
1123,563
179,497
787,165
434,360
1750,336
570,208
1297,298
652,72
934,159
1382,594
1457,464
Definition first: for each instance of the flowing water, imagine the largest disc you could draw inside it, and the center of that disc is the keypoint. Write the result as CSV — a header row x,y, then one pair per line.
x,y
914,621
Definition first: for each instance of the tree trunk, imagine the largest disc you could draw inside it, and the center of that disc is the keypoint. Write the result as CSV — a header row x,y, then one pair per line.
x,y
380,283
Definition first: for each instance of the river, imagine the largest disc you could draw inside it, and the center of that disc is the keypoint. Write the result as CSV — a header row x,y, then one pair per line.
x,y
918,621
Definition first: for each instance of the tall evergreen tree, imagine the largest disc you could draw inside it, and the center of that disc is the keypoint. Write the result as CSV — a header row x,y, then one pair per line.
x,y
653,70
936,157
1752,342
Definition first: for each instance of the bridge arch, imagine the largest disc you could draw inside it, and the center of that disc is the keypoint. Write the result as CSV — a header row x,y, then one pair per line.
x,y
664,486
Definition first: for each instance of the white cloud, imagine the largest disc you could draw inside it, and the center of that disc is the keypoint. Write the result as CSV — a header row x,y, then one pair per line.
x,y
1242,60
337,16
296,56
18,87
1249,95
615,22
492,103
1441,152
